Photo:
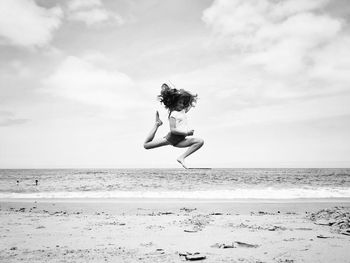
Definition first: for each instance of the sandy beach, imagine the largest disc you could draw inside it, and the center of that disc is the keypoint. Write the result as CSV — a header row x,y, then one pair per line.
x,y
53,230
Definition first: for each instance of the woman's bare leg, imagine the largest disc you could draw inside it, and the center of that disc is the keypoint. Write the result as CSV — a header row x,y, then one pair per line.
x,y
193,143
156,143
149,142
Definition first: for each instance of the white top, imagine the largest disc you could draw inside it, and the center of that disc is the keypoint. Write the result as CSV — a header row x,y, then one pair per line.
x,y
181,120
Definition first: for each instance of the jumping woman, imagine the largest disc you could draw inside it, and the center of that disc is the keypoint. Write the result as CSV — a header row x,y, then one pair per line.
x,y
178,103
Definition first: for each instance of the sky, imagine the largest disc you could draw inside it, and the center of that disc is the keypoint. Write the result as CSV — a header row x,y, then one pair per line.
x,y
79,81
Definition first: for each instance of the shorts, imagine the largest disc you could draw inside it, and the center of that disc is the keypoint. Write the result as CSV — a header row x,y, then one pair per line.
x,y
174,139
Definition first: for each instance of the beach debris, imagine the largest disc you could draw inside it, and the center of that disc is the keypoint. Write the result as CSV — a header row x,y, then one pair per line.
x,y
289,239
345,232
265,213
165,213
39,227
243,244
57,213
274,228
196,222
323,222
234,244
187,210
228,246
338,218
322,236
160,250
191,230
293,239
192,256
223,245
303,228
257,227
195,257
13,248
217,245
261,213
216,214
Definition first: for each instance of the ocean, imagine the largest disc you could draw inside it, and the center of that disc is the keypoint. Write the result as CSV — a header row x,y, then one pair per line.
x,y
175,183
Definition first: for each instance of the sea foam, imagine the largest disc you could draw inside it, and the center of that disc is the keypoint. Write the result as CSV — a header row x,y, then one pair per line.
x,y
245,193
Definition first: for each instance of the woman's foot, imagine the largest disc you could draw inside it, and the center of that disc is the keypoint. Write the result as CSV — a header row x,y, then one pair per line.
x,y
158,121
182,162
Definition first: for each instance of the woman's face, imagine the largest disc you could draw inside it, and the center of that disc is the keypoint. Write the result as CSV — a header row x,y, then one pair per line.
x,y
188,108
182,106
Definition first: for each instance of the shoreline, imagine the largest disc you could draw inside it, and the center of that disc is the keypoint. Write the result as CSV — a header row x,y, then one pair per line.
x,y
176,200
133,205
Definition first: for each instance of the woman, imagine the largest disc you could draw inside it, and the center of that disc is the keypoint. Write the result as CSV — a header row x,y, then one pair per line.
x,y
178,103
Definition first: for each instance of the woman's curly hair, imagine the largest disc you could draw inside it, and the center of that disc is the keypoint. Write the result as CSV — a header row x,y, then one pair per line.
x,y
170,97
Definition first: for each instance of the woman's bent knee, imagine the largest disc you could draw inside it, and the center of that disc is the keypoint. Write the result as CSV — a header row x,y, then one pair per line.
x,y
200,141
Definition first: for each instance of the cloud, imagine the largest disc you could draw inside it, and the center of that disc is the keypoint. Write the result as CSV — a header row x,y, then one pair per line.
x,y
24,23
12,122
277,36
79,4
91,12
7,119
84,81
281,54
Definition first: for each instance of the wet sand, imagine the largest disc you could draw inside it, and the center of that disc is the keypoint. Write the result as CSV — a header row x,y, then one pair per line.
x,y
159,230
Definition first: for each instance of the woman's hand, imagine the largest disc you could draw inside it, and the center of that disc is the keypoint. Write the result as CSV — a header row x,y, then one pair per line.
x,y
190,132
